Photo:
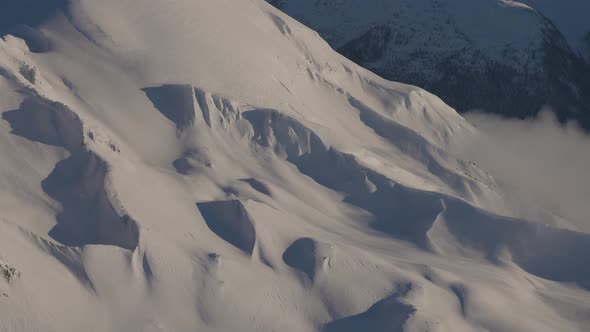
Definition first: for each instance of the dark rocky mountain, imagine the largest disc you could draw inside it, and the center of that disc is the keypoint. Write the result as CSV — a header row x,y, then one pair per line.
x,y
503,57
30,12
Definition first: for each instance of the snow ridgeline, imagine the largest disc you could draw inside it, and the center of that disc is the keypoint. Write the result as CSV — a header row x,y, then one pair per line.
x,y
411,215
399,211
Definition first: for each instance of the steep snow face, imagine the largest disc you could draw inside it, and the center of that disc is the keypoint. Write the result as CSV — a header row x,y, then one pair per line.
x,y
189,165
505,57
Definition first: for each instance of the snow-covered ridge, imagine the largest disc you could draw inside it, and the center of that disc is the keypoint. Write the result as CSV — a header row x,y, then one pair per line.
x,y
216,166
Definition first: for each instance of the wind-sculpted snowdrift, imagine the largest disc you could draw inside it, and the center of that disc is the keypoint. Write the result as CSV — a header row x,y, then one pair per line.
x,y
77,182
157,183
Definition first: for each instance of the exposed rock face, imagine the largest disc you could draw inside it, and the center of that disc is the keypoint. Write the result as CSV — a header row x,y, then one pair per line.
x,y
9,273
461,53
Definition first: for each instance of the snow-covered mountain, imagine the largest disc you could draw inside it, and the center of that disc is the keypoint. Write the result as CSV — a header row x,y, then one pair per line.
x,y
501,56
198,165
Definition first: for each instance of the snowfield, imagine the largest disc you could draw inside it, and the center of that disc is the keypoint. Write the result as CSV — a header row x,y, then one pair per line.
x,y
194,165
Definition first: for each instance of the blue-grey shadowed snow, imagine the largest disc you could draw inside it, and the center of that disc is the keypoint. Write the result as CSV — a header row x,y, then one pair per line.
x,y
29,12
402,212
412,144
192,161
301,256
147,268
231,191
77,182
291,138
461,293
87,216
387,315
342,172
409,214
231,222
175,101
68,256
201,97
183,165
258,186
40,122
550,253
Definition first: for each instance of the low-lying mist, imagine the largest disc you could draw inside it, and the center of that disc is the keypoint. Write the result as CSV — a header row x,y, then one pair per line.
x,y
541,164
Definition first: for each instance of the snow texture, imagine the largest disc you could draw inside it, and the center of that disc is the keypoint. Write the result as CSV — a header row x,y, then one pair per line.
x,y
194,165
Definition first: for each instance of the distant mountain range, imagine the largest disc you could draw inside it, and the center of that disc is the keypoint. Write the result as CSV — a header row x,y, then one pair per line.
x,y
505,57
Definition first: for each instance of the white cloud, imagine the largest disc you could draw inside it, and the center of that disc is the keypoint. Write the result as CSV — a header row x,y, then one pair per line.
x,y
542,165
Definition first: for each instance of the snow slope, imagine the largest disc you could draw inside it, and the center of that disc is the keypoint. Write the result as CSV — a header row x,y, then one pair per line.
x,y
505,57
189,165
